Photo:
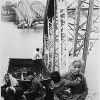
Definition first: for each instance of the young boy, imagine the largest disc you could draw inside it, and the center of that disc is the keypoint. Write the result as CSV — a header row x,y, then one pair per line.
x,y
60,86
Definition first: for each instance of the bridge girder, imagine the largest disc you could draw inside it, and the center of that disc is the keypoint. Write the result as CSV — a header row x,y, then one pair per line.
x,y
69,34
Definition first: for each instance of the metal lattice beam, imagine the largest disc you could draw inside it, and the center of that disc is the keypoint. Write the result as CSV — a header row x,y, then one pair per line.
x,y
88,30
79,23
82,30
77,20
57,38
62,35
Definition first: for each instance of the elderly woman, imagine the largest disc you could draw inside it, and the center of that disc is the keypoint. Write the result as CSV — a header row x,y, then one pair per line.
x,y
10,89
79,90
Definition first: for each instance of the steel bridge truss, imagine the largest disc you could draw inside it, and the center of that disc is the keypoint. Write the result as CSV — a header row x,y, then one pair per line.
x,y
70,33
56,40
84,28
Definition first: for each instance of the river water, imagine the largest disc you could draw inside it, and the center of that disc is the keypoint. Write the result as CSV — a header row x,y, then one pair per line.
x,y
18,43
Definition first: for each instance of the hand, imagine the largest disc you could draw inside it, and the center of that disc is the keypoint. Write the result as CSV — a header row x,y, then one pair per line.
x,y
78,79
25,92
7,89
44,87
68,90
24,97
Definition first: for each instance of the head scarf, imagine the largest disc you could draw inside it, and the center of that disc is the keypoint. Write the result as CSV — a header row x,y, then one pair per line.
x,y
13,81
75,59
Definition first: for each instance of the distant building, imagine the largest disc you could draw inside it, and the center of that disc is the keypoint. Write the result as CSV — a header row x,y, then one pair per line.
x,y
7,12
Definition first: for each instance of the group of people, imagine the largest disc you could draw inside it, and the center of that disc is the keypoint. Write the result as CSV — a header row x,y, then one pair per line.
x,y
71,86
11,90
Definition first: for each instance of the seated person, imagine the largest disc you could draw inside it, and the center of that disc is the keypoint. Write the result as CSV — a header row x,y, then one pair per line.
x,y
73,74
36,89
9,81
10,88
60,87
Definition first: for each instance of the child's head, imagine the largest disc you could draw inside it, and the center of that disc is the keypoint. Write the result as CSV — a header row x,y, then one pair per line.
x,y
55,76
37,49
30,75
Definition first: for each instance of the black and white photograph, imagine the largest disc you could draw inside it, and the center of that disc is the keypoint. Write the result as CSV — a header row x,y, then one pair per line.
x,y
49,49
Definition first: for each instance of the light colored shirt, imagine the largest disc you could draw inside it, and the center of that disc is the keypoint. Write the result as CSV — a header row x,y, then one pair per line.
x,y
36,55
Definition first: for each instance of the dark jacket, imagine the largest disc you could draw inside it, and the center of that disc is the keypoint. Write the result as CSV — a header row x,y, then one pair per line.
x,y
60,88
36,88
80,88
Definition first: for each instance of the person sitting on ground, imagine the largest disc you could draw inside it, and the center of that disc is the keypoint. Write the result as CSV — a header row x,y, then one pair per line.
x,y
8,80
74,74
60,86
10,88
36,89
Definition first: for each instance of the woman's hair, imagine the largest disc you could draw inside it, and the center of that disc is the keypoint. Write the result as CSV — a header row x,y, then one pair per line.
x,y
6,75
55,76
76,59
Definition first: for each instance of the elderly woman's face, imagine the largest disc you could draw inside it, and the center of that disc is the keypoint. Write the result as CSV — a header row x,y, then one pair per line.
x,y
75,67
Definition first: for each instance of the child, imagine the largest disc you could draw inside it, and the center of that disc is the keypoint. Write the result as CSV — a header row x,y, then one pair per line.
x,y
59,86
